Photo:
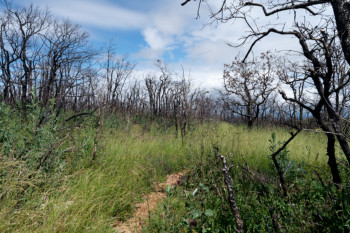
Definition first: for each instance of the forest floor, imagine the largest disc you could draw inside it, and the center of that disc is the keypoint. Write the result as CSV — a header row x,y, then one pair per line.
x,y
143,210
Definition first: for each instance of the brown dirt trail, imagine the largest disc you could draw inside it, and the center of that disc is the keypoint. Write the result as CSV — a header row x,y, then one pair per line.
x,y
141,215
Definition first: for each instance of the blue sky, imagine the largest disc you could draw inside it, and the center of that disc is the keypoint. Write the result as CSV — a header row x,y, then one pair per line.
x,y
148,30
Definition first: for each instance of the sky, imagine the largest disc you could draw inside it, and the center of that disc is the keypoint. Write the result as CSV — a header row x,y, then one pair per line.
x,y
147,30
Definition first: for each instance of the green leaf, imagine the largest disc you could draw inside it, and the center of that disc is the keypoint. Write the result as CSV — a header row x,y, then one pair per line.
x,y
166,208
209,213
168,189
196,214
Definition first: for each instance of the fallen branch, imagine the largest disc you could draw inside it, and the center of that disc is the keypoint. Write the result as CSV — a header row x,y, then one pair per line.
x,y
231,195
51,149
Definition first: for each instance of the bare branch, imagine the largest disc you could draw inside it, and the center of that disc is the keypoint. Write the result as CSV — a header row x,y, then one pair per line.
x,y
304,6
184,3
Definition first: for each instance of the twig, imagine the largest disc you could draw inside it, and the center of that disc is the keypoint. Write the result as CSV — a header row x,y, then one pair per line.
x,y
287,168
323,185
275,162
49,152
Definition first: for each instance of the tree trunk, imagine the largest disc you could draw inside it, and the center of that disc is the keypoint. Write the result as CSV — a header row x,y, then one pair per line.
x,y
332,162
341,9
339,133
24,95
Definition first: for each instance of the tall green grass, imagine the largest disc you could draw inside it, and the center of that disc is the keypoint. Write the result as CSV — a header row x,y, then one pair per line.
x,y
253,143
90,196
313,203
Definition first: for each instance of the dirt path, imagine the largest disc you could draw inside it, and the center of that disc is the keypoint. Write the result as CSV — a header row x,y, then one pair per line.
x,y
141,215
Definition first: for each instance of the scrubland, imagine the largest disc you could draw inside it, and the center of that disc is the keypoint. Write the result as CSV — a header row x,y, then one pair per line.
x,y
50,183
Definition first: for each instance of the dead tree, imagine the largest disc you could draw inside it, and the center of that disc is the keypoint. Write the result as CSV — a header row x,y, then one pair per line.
x,y
158,87
43,57
25,24
65,45
117,71
320,71
250,84
8,56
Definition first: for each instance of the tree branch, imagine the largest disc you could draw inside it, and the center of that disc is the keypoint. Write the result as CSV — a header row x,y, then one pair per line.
x,y
304,6
81,114
184,3
275,162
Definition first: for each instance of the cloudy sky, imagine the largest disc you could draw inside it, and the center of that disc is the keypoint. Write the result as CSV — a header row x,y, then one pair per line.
x,y
148,30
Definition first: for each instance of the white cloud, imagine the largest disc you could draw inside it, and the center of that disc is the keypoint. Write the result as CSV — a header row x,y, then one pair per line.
x,y
213,53
199,76
207,79
171,18
167,24
96,13
148,54
155,39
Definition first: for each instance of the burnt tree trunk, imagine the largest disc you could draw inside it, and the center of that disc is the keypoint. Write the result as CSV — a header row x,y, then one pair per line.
x,y
341,9
332,162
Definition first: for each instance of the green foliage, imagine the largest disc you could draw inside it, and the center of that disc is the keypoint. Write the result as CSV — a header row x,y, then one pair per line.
x,y
23,138
313,203
71,193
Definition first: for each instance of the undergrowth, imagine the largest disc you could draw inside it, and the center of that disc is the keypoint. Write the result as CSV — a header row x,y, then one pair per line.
x,y
313,203
49,182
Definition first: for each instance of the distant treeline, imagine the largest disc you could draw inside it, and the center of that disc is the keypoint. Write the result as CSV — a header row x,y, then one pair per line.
x,y
51,61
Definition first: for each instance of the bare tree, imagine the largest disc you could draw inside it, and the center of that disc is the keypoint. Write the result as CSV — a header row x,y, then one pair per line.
x,y
251,84
65,44
117,72
323,55
23,29
41,56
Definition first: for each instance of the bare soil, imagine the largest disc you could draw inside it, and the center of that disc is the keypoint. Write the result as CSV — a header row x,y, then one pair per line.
x,y
141,215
